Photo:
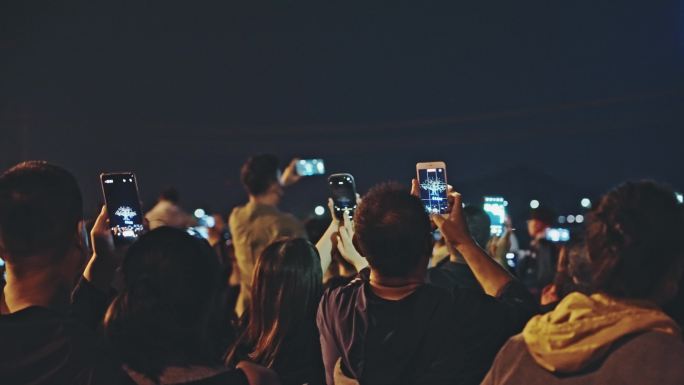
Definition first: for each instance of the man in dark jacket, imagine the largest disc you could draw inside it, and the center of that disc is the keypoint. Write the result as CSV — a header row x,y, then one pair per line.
x,y
389,327
42,341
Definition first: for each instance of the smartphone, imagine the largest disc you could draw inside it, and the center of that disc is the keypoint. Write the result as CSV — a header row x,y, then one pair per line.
x,y
495,207
558,234
121,196
343,191
433,186
309,167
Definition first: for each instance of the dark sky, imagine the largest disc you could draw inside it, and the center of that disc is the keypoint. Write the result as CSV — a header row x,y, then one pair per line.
x,y
589,92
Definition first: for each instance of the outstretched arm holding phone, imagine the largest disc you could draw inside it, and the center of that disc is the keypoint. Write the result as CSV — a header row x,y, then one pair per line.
x,y
491,276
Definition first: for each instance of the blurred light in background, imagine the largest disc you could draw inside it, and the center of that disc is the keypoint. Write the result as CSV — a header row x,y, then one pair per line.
x,y
534,204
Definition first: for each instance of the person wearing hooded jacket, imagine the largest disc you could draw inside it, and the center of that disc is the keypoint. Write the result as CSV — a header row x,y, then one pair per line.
x,y
618,334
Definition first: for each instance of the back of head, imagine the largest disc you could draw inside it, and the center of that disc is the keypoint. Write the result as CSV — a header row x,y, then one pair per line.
x,y
259,173
393,231
170,194
543,214
162,316
574,269
286,289
478,223
633,240
40,208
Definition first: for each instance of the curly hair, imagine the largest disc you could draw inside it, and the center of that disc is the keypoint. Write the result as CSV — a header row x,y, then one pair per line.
x,y
393,230
633,239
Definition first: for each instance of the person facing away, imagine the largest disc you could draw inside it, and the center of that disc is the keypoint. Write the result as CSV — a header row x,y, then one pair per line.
x,y
167,325
537,269
389,327
573,273
258,223
454,271
42,341
618,334
279,329
167,212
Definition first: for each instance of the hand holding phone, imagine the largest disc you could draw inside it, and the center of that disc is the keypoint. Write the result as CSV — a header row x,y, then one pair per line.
x,y
432,183
123,206
343,192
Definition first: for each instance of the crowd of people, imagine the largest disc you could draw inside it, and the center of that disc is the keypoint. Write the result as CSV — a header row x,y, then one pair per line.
x,y
368,299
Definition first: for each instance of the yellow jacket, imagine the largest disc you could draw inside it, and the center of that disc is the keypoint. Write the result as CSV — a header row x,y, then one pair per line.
x,y
582,329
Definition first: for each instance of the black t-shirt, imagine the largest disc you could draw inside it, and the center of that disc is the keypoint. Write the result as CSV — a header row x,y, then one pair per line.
x,y
42,346
433,336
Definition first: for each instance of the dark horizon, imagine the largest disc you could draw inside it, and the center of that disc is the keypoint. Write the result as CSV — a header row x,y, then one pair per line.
x,y
589,94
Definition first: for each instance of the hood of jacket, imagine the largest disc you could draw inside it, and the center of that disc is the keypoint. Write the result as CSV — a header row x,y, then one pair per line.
x,y
581,329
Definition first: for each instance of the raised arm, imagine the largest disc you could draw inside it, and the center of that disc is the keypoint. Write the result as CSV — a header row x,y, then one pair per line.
x,y
491,275
325,244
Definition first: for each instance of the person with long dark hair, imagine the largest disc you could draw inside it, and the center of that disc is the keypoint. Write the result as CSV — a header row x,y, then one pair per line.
x,y
168,324
279,328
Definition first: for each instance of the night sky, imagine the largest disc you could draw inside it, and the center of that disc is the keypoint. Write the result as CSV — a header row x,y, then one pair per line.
x,y
582,93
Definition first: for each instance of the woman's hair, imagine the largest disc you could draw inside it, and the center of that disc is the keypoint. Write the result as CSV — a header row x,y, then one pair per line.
x,y
286,290
573,272
634,239
166,313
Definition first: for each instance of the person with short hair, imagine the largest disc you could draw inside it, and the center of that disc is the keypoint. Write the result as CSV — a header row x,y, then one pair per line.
x,y
45,251
388,326
454,271
258,223
168,324
167,212
537,268
618,334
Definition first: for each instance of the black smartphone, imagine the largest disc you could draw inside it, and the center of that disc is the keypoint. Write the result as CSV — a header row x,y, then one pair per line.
x,y
121,196
343,191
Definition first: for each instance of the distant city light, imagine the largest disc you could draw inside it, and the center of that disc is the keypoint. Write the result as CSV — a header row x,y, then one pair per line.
x,y
680,197
534,204
199,213
571,219
319,210
505,203
579,218
586,203
561,219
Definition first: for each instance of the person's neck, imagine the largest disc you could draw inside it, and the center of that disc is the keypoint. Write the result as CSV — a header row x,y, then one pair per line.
x,y
265,199
395,288
40,287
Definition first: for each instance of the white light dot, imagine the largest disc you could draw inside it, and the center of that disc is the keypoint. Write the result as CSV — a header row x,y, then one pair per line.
x,y
199,213
561,219
680,197
534,203
579,218
586,203
571,219
319,210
